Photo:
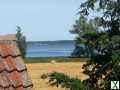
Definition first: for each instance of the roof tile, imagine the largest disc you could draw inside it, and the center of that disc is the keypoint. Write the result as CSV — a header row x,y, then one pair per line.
x,y
15,79
3,80
25,79
9,64
19,63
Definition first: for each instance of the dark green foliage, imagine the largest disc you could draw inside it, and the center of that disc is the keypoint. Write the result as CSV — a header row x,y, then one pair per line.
x,y
21,40
86,31
78,52
104,65
65,81
44,76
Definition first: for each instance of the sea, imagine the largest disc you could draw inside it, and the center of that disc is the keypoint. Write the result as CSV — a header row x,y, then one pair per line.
x,y
62,48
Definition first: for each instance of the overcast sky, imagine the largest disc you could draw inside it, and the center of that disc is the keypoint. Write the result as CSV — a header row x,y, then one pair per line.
x,y
39,19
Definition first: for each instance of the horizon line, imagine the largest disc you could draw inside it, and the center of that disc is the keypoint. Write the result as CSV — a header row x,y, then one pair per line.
x,y
50,40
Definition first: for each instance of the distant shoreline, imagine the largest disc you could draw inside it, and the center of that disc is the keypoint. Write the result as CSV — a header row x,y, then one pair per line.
x,y
52,41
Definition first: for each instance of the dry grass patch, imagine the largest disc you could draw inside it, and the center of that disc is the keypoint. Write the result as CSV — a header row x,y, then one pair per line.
x,y
36,70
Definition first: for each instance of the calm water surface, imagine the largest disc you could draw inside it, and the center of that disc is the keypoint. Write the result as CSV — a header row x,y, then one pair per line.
x,y
50,48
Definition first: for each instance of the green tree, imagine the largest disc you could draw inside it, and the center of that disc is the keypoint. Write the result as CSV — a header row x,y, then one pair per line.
x,y
104,64
86,31
21,40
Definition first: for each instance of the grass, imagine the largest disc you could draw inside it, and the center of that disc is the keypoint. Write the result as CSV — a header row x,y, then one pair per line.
x,y
49,59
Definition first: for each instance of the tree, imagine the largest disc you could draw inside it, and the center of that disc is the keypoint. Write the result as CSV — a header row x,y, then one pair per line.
x,y
85,29
21,40
105,62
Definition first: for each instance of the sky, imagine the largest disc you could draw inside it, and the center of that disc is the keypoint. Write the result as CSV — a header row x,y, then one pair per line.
x,y
40,20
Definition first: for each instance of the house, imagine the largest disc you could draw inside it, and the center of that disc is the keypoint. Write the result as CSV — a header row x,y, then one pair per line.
x,y
13,71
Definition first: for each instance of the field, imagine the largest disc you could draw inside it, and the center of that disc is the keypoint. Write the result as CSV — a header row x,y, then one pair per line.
x,y
35,71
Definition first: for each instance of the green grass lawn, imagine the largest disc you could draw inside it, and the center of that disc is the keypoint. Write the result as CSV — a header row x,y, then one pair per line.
x,y
49,59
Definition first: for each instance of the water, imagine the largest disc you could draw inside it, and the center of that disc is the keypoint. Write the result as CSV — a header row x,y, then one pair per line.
x,y
50,48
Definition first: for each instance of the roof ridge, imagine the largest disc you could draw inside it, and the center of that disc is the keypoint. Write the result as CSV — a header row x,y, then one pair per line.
x,y
8,37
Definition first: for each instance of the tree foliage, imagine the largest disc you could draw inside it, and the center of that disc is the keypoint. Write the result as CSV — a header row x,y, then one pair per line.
x,y
21,40
105,62
86,31
60,79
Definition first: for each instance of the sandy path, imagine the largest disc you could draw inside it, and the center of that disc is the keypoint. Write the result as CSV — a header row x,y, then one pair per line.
x,y
35,71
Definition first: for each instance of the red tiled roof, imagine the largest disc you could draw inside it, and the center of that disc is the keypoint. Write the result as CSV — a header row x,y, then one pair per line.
x,y
13,72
